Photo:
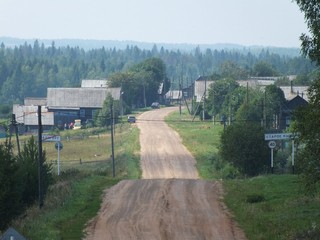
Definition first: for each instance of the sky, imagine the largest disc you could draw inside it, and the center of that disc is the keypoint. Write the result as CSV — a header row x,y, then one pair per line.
x,y
276,23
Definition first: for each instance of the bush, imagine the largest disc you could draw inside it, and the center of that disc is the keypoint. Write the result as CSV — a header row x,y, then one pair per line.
x,y
281,161
243,146
255,198
5,109
27,173
229,172
19,180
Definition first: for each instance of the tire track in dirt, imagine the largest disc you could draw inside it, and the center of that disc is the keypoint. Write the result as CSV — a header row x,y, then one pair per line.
x,y
170,202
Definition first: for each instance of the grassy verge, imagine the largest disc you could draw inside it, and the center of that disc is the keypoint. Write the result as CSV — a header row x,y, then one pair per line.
x,y
77,193
68,207
266,207
274,207
201,138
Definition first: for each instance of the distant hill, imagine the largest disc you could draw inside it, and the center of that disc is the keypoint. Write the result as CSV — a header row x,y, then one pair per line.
x,y
88,44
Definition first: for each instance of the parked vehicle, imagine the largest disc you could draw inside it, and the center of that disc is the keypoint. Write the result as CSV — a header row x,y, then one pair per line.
x,y
77,124
155,105
131,119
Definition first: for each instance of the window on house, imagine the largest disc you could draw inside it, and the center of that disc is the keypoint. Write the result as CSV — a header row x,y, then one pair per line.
x,y
288,120
82,113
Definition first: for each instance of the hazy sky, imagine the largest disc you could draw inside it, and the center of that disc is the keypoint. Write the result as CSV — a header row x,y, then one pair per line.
x,y
248,22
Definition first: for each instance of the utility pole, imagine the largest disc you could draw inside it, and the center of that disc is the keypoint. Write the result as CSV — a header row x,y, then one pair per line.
x,y
112,141
265,111
229,104
204,98
180,97
40,160
247,97
15,125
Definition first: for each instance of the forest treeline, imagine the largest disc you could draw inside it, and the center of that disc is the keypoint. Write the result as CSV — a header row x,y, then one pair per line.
x,y
29,69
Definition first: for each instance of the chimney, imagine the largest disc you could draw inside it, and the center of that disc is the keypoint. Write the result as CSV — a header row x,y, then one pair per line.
x,y
291,86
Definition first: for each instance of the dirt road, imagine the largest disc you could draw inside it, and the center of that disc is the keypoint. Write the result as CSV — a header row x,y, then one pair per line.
x,y
162,152
170,202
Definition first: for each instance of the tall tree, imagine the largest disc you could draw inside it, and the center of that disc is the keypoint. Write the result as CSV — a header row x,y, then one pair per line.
x,y
263,69
307,119
9,198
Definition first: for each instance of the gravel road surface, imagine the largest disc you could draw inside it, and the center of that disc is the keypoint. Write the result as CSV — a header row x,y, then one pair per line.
x,y
170,202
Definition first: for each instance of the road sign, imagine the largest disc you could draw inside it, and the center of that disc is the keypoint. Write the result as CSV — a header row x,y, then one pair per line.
x,y
50,138
58,146
272,144
277,136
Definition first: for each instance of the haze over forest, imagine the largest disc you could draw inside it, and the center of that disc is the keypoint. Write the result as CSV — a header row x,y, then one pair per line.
x,y
28,66
88,44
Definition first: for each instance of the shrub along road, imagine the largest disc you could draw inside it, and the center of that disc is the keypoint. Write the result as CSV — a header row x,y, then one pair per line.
x,y
170,202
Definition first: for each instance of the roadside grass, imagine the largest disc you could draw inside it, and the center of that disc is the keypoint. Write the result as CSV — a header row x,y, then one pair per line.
x,y
76,196
201,138
266,207
273,207
68,207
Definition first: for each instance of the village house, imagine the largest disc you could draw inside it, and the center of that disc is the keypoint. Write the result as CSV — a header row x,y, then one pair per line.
x,y
173,96
63,105
201,88
289,108
69,104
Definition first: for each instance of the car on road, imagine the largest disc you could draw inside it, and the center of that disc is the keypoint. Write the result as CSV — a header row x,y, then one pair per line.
x,y
131,119
155,105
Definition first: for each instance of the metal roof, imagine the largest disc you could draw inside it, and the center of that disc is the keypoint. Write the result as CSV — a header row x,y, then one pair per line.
x,y
29,101
89,83
291,92
79,97
28,115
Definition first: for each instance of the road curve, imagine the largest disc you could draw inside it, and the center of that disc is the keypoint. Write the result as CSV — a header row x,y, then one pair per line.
x,y
170,202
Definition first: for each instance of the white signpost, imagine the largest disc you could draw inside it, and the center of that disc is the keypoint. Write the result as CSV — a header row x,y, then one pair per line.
x,y
272,144
50,138
277,136
58,145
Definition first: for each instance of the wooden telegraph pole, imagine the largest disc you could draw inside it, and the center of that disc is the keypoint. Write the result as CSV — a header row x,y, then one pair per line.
x,y
112,141
40,160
